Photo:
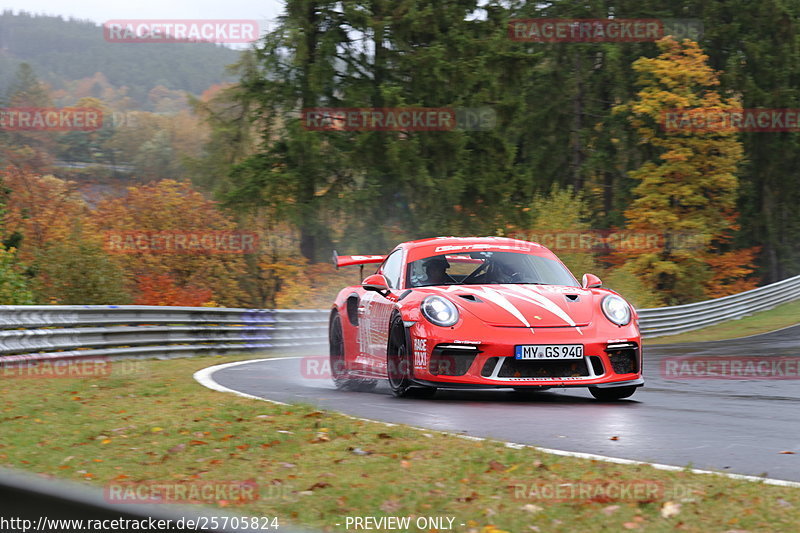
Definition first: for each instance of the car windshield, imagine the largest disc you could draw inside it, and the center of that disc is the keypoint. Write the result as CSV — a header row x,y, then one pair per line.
x,y
477,268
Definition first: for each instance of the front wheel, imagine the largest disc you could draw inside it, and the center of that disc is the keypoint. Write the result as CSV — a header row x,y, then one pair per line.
x,y
399,364
612,393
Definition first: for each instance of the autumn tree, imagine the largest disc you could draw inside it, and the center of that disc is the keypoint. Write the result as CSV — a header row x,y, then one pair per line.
x,y
44,218
177,209
14,284
40,210
687,188
78,271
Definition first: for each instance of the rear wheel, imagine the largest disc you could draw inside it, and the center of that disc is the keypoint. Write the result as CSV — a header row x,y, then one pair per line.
x,y
342,377
399,364
612,393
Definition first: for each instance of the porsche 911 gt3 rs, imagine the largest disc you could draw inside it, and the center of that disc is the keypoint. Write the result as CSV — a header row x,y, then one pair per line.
x,y
481,312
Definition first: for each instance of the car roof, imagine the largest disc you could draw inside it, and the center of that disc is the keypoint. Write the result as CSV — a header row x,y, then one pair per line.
x,y
438,245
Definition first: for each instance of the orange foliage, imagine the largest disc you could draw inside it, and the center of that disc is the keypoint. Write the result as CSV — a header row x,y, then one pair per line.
x,y
43,209
170,206
731,271
315,286
160,289
214,91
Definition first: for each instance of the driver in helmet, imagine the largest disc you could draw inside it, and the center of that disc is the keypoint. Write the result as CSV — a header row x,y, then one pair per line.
x,y
502,269
435,269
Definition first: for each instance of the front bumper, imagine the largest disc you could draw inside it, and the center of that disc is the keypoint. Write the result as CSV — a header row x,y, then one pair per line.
x,y
608,361
606,385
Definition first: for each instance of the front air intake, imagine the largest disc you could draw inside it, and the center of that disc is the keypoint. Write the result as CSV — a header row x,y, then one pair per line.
x,y
452,359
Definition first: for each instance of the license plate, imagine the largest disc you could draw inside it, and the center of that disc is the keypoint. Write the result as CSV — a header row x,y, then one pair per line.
x,y
548,351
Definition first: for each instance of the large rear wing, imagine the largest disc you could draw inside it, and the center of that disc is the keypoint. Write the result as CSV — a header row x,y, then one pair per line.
x,y
361,260
347,260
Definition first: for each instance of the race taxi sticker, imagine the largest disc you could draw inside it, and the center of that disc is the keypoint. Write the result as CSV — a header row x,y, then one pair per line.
x,y
420,353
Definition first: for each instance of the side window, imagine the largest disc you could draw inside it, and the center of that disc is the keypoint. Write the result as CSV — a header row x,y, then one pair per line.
x,y
392,268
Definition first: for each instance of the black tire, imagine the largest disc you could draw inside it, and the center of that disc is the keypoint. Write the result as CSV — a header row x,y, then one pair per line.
x,y
339,372
613,393
400,365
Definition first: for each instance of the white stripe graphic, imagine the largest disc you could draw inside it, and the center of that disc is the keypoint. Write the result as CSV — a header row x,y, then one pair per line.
x,y
544,301
529,294
499,299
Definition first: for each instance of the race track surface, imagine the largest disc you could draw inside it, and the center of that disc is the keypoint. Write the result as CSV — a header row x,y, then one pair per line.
x,y
724,425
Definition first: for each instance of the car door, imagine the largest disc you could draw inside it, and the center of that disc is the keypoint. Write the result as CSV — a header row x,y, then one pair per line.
x,y
375,312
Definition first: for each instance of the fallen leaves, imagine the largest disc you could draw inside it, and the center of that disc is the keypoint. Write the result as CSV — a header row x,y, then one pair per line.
x,y
670,509
496,466
531,508
322,436
467,499
359,451
609,510
390,506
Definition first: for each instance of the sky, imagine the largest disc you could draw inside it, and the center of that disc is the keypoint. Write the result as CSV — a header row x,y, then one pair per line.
x,y
102,10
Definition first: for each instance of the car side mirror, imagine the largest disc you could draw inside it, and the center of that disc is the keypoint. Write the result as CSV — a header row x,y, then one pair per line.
x,y
590,281
377,283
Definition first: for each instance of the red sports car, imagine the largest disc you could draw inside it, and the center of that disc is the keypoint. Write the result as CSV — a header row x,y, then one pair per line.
x,y
481,312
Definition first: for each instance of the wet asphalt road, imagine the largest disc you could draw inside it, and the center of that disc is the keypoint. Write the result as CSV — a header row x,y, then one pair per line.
x,y
726,425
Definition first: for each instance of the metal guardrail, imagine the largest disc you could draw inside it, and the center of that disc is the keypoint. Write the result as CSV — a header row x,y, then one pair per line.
x,y
41,333
682,318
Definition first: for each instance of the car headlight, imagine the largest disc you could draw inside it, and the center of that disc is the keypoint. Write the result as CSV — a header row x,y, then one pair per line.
x,y
616,309
439,311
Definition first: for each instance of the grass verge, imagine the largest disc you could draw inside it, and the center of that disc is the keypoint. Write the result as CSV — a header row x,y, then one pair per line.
x,y
784,315
316,468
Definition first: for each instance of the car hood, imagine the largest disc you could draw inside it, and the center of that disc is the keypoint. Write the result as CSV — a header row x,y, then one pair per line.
x,y
518,305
